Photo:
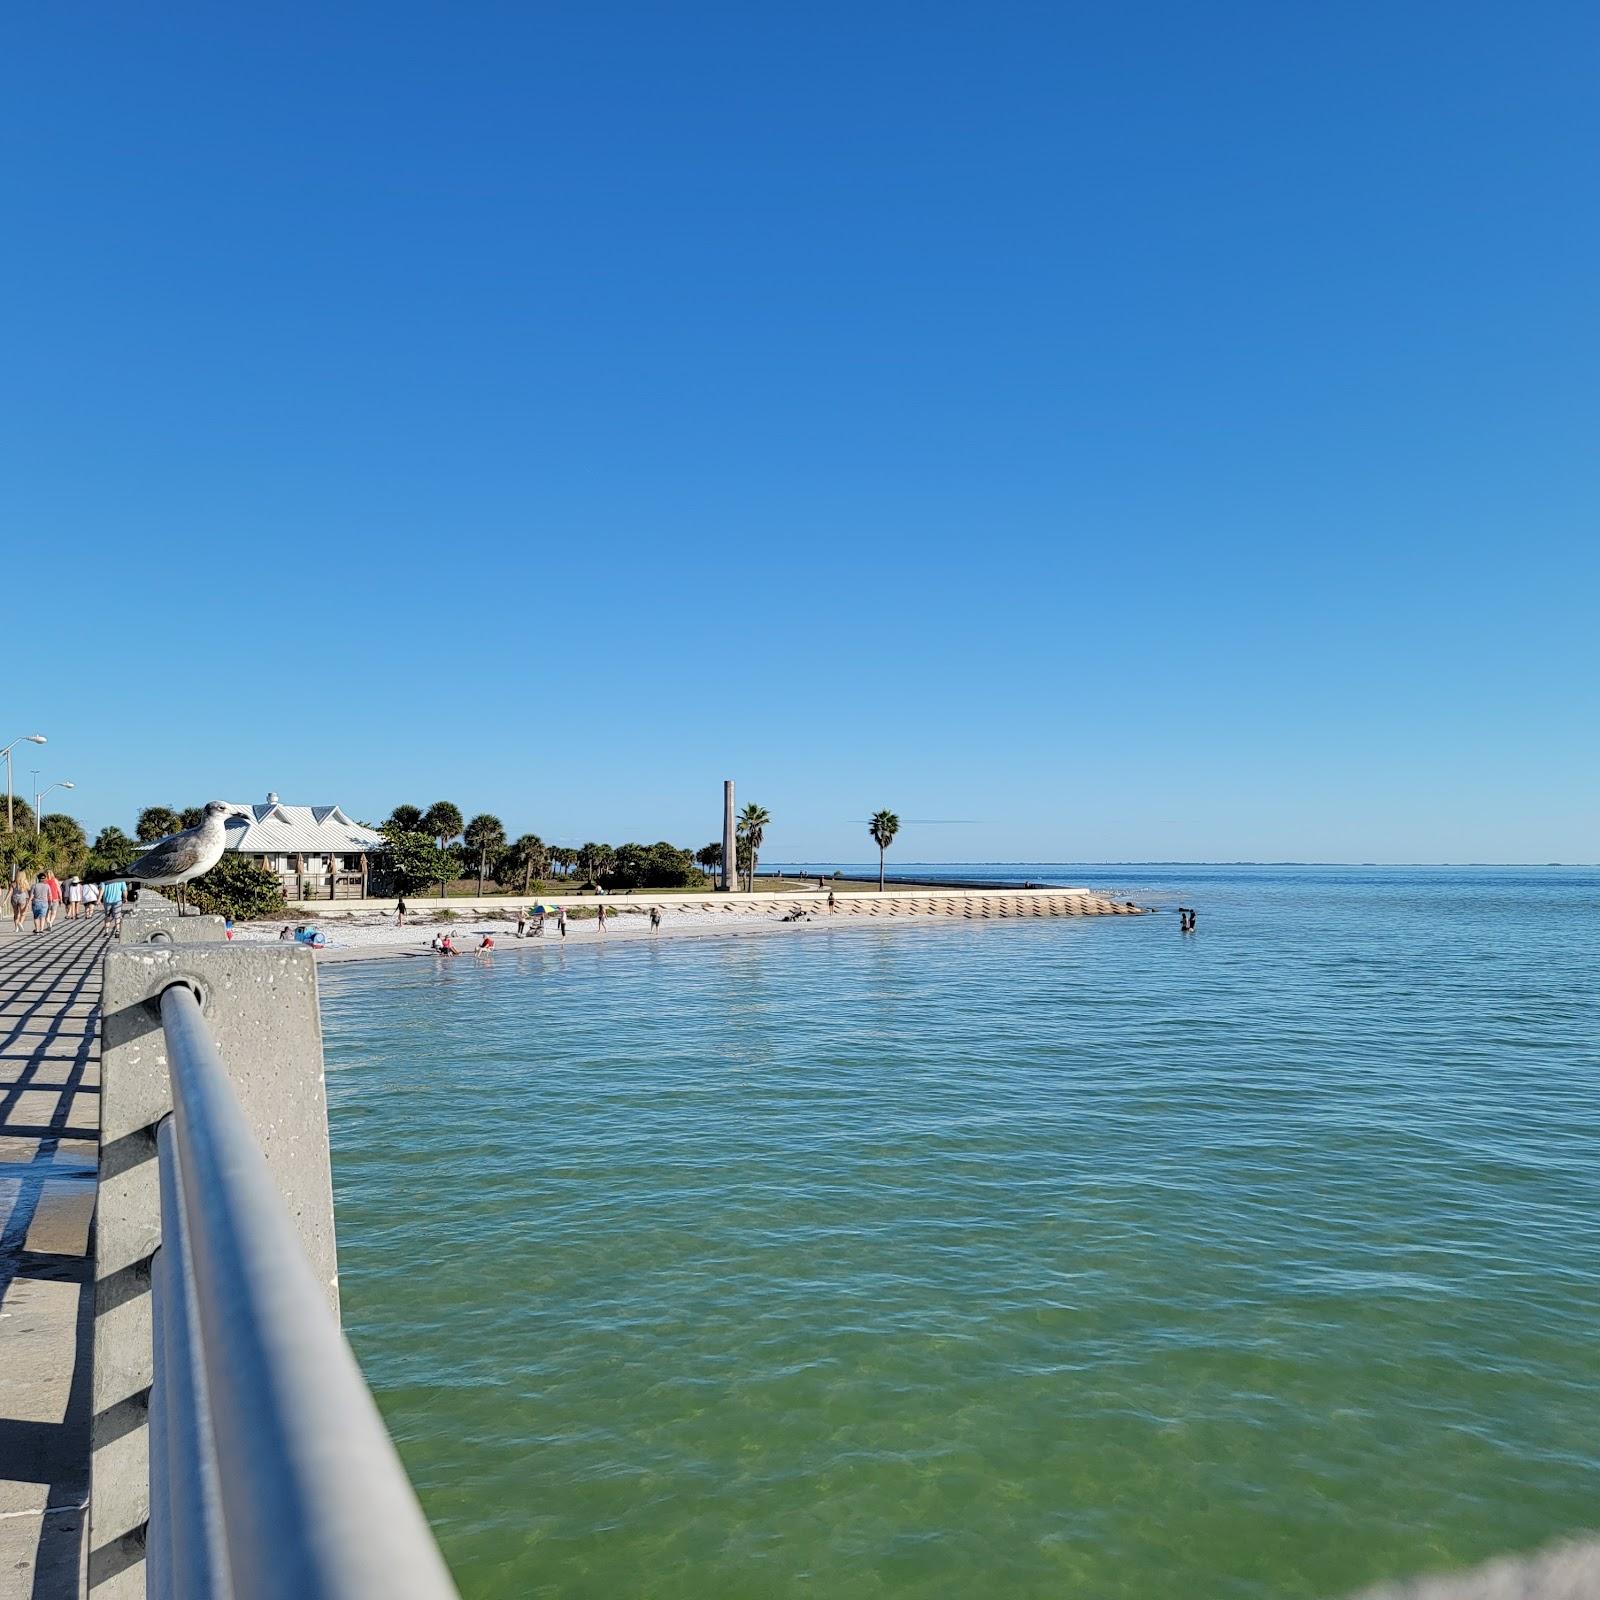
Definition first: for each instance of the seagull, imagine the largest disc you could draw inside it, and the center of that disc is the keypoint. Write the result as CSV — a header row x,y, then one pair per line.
x,y
181,857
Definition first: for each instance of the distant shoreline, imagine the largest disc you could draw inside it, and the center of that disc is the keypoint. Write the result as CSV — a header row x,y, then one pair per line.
x,y
897,882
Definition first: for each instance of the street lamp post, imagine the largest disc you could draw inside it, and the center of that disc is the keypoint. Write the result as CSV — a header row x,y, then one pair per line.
x,y
39,795
28,738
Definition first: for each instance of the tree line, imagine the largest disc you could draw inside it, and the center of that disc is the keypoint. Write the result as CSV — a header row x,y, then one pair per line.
x,y
428,849
423,850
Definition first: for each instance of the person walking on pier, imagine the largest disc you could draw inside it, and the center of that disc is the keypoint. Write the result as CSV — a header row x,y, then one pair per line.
x,y
21,887
41,904
54,886
111,897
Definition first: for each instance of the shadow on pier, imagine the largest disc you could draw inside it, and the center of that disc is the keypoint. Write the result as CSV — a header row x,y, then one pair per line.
x,y
49,1127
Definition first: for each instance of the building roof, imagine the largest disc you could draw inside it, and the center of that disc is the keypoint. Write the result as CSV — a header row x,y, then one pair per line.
x,y
273,829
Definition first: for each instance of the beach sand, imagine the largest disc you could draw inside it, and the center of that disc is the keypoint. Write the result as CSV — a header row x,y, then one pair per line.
x,y
374,934
371,933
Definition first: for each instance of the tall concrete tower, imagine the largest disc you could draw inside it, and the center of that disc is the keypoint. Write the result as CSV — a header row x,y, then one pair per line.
x,y
730,845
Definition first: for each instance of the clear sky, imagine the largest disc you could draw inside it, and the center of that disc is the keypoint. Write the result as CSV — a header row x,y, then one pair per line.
x,y
1148,431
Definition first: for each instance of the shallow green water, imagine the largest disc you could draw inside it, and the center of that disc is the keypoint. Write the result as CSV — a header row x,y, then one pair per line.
x,y
1062,1258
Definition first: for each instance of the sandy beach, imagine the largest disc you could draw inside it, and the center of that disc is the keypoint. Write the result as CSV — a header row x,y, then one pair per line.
x,y
368,933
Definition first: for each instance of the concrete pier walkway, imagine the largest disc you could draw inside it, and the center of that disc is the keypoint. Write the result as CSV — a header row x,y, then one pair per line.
x,y
49,1131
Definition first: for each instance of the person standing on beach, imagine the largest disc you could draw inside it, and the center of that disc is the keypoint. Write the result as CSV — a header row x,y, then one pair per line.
x,y
400,912
561,921
600,919
655,919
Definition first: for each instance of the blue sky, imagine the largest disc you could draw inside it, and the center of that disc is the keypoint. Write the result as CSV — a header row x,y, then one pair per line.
x,y
1151,431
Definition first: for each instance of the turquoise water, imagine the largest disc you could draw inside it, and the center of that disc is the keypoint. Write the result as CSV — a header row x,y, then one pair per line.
x,y
1049,1258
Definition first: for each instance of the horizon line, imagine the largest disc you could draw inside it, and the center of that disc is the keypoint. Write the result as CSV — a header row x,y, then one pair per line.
x,y
1587,865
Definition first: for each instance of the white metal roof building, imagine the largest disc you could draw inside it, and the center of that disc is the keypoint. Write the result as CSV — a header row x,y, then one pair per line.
x,y
318,851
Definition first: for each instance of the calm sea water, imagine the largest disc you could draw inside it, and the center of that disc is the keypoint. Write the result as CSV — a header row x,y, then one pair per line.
x,y
1035,1259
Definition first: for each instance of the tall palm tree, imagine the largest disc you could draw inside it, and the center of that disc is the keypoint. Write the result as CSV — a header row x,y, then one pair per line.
x,y
443,821
408,819
752,825
530,854
883,827
485,835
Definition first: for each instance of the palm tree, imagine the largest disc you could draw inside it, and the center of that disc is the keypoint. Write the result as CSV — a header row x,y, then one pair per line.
x,y
595,862
408,819
190,817
155,822
484,836
443,821
530,854
883,827
710,858
752,825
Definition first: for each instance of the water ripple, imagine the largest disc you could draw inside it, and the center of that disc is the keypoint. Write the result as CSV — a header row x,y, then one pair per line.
x,y
1035,1259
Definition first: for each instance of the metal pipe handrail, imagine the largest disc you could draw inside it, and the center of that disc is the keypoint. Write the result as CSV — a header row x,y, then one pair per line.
x,y
186,1553
315,1504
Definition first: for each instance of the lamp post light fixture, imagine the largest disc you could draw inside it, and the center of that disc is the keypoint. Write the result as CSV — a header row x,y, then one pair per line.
x,y
27,738
40,794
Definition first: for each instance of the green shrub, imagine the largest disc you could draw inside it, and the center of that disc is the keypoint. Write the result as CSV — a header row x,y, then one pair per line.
x,y
239,888
409,863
